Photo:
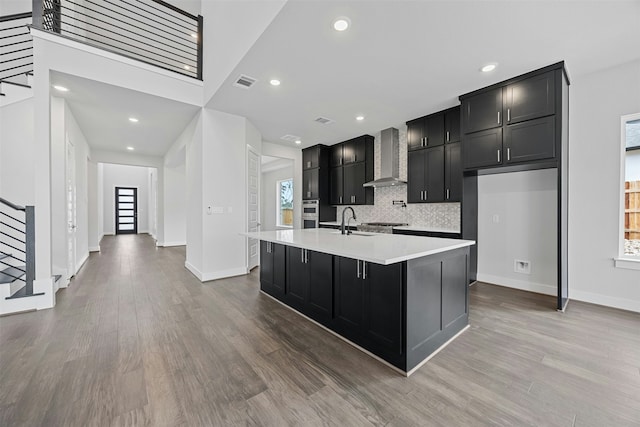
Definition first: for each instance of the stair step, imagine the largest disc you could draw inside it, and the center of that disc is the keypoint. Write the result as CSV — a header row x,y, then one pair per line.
x,y
5,275
22,293
3,256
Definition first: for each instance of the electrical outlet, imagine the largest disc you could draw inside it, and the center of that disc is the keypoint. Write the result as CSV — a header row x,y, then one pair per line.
x,y
520,266
496,218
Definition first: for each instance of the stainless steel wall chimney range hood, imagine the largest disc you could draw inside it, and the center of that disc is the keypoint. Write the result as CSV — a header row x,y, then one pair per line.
x,y
389,160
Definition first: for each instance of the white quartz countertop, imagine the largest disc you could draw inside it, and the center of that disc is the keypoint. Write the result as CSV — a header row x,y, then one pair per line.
x,y
377,247
352,223
425,228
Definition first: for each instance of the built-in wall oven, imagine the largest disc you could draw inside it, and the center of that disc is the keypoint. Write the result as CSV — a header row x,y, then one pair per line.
x,y
310,213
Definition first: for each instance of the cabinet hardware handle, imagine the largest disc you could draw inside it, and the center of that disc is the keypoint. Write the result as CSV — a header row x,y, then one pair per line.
x,y
447,136
447,194
302,256
358,263
308,164
306,256
498,117
364,270
340,199
498,156
508,153
508,115
355,157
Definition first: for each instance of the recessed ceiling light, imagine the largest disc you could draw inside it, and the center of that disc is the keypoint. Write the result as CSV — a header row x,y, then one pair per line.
x,y
130,148
186,67
488,67
194,35
360,118
275,82
298,142
341,23
133,120
61,88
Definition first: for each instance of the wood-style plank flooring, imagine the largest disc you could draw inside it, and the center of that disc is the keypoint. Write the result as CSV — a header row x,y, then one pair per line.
x,y
137,340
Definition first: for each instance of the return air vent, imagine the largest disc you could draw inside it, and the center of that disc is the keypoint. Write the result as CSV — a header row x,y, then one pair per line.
x,y
324,120
290,138
245,82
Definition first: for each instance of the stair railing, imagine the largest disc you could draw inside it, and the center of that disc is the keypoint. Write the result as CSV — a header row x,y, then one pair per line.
x,y
16,46
17,235
150,31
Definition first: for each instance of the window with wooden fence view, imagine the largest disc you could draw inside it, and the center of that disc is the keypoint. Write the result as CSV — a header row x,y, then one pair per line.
x,y
632,189
285,203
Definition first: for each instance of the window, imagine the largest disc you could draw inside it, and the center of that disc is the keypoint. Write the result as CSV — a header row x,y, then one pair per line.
x,y
630,224
284,203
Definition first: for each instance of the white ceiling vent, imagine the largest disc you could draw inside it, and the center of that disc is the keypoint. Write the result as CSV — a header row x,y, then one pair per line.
x,y
245,82
290,138
324,120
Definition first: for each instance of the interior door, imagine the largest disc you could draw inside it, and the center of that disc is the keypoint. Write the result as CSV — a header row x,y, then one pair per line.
x,y
126,210
70,176
253,207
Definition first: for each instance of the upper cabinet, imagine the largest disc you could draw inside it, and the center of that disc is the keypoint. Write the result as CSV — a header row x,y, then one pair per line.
x,y
428,131
315,173
311,157
354,150
352,166
514,123
452,125
336,155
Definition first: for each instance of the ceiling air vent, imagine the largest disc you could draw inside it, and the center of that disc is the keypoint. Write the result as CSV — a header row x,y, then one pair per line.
x,y
324,120
290,138
245,82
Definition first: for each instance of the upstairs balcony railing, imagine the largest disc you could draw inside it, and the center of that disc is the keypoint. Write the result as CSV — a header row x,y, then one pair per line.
x,y
150,31
16,47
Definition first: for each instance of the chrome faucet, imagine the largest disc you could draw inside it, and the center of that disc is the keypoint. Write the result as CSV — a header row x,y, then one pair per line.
x,y
353,215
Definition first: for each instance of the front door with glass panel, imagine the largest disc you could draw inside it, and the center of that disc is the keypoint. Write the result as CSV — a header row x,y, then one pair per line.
x,y
126,210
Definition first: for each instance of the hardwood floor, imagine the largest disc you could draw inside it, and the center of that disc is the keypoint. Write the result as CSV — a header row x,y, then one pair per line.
x,y
137,340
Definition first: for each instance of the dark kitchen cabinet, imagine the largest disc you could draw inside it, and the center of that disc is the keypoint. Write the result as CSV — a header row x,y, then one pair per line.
x,y
452,125
311,184
452,172
428,131
530,140
435,133
482,149
309,280
336,180
415,134
272,269
311,157
426,175
530,98
355,168
368,304
482,111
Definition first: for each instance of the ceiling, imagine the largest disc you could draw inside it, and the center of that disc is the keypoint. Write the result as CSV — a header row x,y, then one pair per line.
x,y
403,59
102,112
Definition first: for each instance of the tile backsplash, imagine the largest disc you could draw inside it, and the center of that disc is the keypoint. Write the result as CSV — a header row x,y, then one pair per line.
x,y
437,215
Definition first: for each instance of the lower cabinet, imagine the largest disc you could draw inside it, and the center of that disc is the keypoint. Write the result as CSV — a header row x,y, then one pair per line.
x,y
310,283
272,269
368,304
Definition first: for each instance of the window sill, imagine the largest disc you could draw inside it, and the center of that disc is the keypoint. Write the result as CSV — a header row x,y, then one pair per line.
x,y
628,263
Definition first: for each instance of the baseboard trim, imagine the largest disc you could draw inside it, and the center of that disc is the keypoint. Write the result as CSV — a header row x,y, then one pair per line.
x,y
539,288
170,244
605,300
81,263
215,275
94,249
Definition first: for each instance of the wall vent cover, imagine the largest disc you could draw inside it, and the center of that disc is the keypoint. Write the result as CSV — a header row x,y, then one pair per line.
x,y
290,138
244,81
324,120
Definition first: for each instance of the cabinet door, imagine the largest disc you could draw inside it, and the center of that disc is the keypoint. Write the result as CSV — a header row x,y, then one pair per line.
x,y
530,140
434,174
335,158
266,268
320,290
297,278
530,98
348,298
310,184
278,254
354,178
383,302
435,130
415,176
482,149
354,150
310,158
415,134
482,111
452,173
452,125
336,180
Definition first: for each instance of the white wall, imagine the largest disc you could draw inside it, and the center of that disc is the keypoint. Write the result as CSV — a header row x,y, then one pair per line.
x,y
10,7
16,145
125,176
295,154
517,220
95,229
269,195
195,216
632,169
597,102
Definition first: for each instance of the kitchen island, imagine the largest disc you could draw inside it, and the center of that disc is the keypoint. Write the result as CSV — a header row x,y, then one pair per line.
x,y
398,298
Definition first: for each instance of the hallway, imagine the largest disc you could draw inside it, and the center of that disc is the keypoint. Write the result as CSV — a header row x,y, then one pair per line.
x,y
137,340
